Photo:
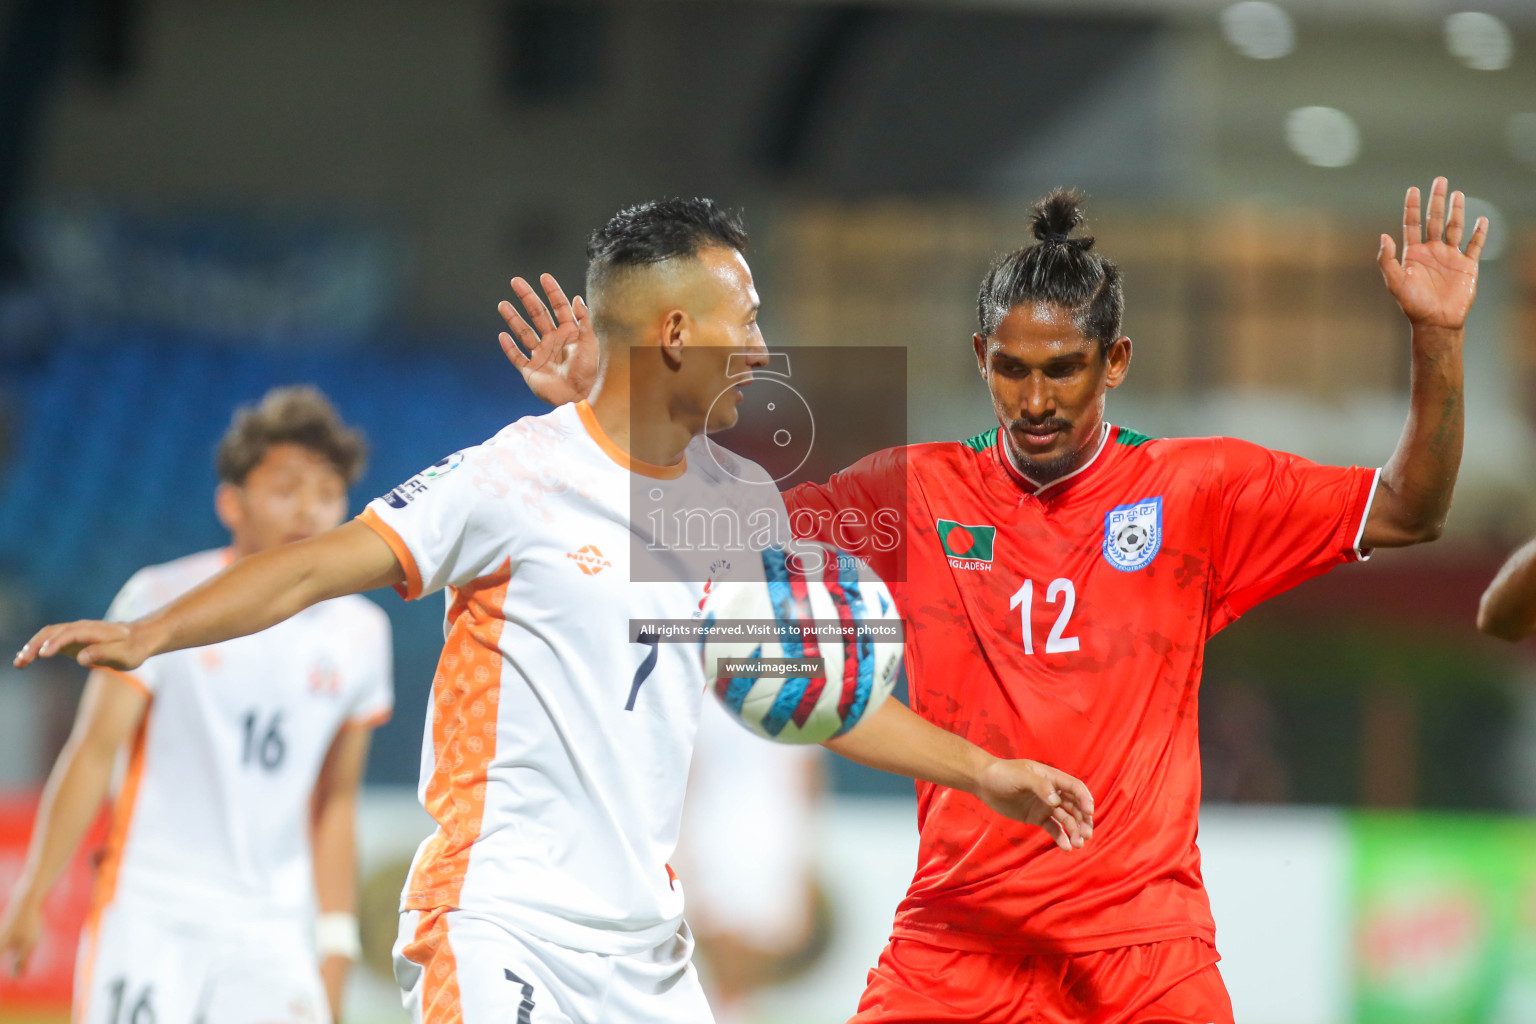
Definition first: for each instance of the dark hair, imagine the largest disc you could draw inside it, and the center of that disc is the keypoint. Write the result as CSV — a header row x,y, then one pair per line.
x,y
1057,269
662,229
293,415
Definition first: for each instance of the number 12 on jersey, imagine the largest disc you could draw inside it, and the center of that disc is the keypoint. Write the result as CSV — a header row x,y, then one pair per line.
x,y
1060,590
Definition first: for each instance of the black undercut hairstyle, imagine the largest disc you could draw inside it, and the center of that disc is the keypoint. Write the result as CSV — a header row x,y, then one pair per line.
x,y
660,230
1058,269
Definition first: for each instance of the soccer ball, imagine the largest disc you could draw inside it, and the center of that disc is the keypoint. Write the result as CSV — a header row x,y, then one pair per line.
x,y
816,605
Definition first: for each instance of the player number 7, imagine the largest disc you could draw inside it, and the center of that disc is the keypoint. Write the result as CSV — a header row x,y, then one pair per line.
x,y
1024,598
525,1007
650,640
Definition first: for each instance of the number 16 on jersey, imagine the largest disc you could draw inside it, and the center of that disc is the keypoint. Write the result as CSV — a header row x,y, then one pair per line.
x,y
1060,590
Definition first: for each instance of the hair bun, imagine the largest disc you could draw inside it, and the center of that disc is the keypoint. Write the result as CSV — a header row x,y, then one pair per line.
x,y
1056,215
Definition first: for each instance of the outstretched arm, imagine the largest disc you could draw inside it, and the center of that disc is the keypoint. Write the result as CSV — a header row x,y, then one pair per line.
x,y
1434,284
896,739
1508,607
110,710
249,596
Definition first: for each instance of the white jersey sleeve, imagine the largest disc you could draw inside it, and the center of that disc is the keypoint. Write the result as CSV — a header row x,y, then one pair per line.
x,y
373,692
446,524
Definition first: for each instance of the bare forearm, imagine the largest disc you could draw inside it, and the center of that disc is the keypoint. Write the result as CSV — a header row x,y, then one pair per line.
x,y
258,592
1508,607
73,795
252,595
895,739
335,853
335,885
246,598
1414,493
335,856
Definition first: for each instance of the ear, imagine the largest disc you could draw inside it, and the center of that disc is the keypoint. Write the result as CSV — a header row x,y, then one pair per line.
x,y
1118,359
226,505
676,332
979,343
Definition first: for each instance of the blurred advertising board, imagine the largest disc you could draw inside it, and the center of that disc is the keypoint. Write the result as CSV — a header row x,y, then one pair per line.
x,y
1323,916
1444,919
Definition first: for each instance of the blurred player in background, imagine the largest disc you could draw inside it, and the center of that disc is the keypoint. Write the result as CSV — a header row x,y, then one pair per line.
x,y
748,851
236,805
1062,578
556,755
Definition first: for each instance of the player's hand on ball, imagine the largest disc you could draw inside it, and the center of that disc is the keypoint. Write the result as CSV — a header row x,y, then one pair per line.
x,y
1036,793
1435,282
20,927
93,644
560,364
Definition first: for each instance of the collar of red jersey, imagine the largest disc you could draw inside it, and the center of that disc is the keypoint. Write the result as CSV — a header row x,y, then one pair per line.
x,y
1039,489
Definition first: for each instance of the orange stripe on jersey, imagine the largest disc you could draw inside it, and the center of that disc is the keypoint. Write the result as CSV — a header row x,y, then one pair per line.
x,y
431,951
619,455
127,677
112,859
80,1005
466,692
411,589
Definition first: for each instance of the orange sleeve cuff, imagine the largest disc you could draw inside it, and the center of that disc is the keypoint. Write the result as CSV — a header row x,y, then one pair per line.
x,y
372,721
127,677
411,588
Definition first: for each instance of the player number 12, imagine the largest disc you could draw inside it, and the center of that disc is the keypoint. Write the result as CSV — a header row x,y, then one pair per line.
x,y
1059,590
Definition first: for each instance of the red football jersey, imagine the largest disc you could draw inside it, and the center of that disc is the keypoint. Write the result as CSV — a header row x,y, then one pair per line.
x,y
1067,624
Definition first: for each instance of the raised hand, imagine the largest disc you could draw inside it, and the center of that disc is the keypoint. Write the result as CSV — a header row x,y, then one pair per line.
x,y
1038,794
560,362
1435,282
91,643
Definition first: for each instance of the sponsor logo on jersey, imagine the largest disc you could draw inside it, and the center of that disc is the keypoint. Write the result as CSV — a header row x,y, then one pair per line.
x,y
444,466
1133,534
325,678
967,547
406,492
588,559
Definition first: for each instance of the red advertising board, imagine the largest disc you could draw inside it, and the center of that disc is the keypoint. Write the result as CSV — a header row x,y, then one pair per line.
x,y
45,987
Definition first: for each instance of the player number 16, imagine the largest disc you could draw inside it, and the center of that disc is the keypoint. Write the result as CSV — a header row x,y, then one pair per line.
x,y
1059,590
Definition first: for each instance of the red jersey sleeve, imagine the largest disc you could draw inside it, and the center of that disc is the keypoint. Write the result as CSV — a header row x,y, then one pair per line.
x,y
861,510
1282,520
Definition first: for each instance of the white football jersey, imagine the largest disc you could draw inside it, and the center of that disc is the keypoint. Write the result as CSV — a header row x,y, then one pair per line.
x,y
213,806
557,749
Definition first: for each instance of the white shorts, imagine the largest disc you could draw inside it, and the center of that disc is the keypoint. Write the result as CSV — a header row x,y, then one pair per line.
x,y
456,968
140,966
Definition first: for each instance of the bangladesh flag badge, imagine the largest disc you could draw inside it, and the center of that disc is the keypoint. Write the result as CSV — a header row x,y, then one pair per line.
x,y
971,543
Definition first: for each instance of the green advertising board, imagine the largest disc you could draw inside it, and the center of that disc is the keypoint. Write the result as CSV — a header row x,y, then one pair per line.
x,y
1445,919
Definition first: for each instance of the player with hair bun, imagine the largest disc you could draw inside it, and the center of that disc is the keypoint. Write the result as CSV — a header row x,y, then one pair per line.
x,y
1063,575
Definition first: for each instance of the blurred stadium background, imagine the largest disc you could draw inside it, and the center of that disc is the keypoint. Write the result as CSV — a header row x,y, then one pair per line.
x,y
200,199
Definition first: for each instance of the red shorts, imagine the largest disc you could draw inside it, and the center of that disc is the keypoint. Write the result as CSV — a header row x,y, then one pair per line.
x,y
1170,982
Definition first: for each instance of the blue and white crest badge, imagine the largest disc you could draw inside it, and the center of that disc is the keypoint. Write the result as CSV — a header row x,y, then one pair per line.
x,y
1133,534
